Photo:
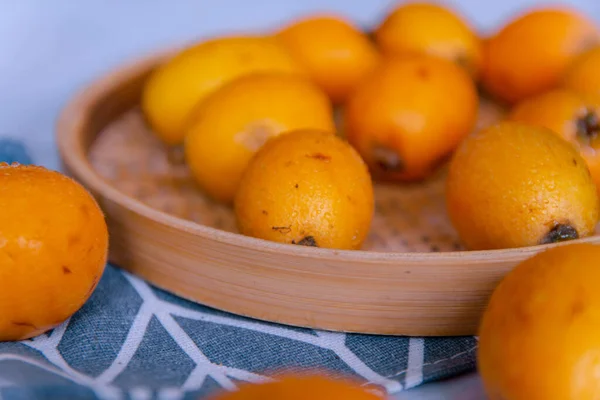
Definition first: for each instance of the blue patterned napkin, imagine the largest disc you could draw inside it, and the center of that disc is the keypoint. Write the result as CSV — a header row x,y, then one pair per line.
x,y
133,341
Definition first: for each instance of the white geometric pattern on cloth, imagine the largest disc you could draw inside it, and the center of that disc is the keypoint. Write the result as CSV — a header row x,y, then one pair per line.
x,y
164,311
416,354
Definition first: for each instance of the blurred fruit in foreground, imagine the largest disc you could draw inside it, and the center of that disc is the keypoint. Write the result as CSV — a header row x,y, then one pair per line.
x,y
235,121
309,188
430,28
53,249
335,53
514,185
177,86
583,75
409,114
309,387
531,53
575,117
539,337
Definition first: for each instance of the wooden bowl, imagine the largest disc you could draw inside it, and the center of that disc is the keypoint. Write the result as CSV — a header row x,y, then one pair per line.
x,y
412,278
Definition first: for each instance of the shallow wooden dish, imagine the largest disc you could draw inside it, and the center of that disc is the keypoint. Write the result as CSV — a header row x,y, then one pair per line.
x,y
411,279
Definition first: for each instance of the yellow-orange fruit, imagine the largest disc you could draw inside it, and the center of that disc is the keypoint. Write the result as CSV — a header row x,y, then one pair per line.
x,y
409,115
513,185
583,75
430,28
574,116
177,86
539,337
233,123
335,53
301,387
531,53
306,187
53,249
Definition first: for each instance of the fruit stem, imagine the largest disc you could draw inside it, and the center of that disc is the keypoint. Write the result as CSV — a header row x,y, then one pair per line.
x,y
560,233
588,126
387,159
307,241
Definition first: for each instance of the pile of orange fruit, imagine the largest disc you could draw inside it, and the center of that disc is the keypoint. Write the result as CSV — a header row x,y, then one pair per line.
x,y
292,127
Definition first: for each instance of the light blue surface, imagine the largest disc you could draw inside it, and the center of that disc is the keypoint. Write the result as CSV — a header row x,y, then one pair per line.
x,y
50,48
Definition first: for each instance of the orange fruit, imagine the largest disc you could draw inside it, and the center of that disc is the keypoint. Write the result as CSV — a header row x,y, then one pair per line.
x,y
334,52
539,337
291,387
178,85
53,249
575,117
306,187
583,76
513,185
430,28
531,53
233,123
402,120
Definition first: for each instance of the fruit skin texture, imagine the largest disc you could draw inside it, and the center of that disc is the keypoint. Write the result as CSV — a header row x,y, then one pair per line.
x,y
420,27
511,185
177,86
235,121
306,187
531,53
301,387
574,116
402,121
583,76
336,55
53,249
539,338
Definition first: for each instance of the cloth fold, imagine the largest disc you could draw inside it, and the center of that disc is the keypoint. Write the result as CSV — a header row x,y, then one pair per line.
x,y
134,341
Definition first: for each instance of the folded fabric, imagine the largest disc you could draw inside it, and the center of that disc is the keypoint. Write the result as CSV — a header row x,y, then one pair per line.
x,y
134,341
